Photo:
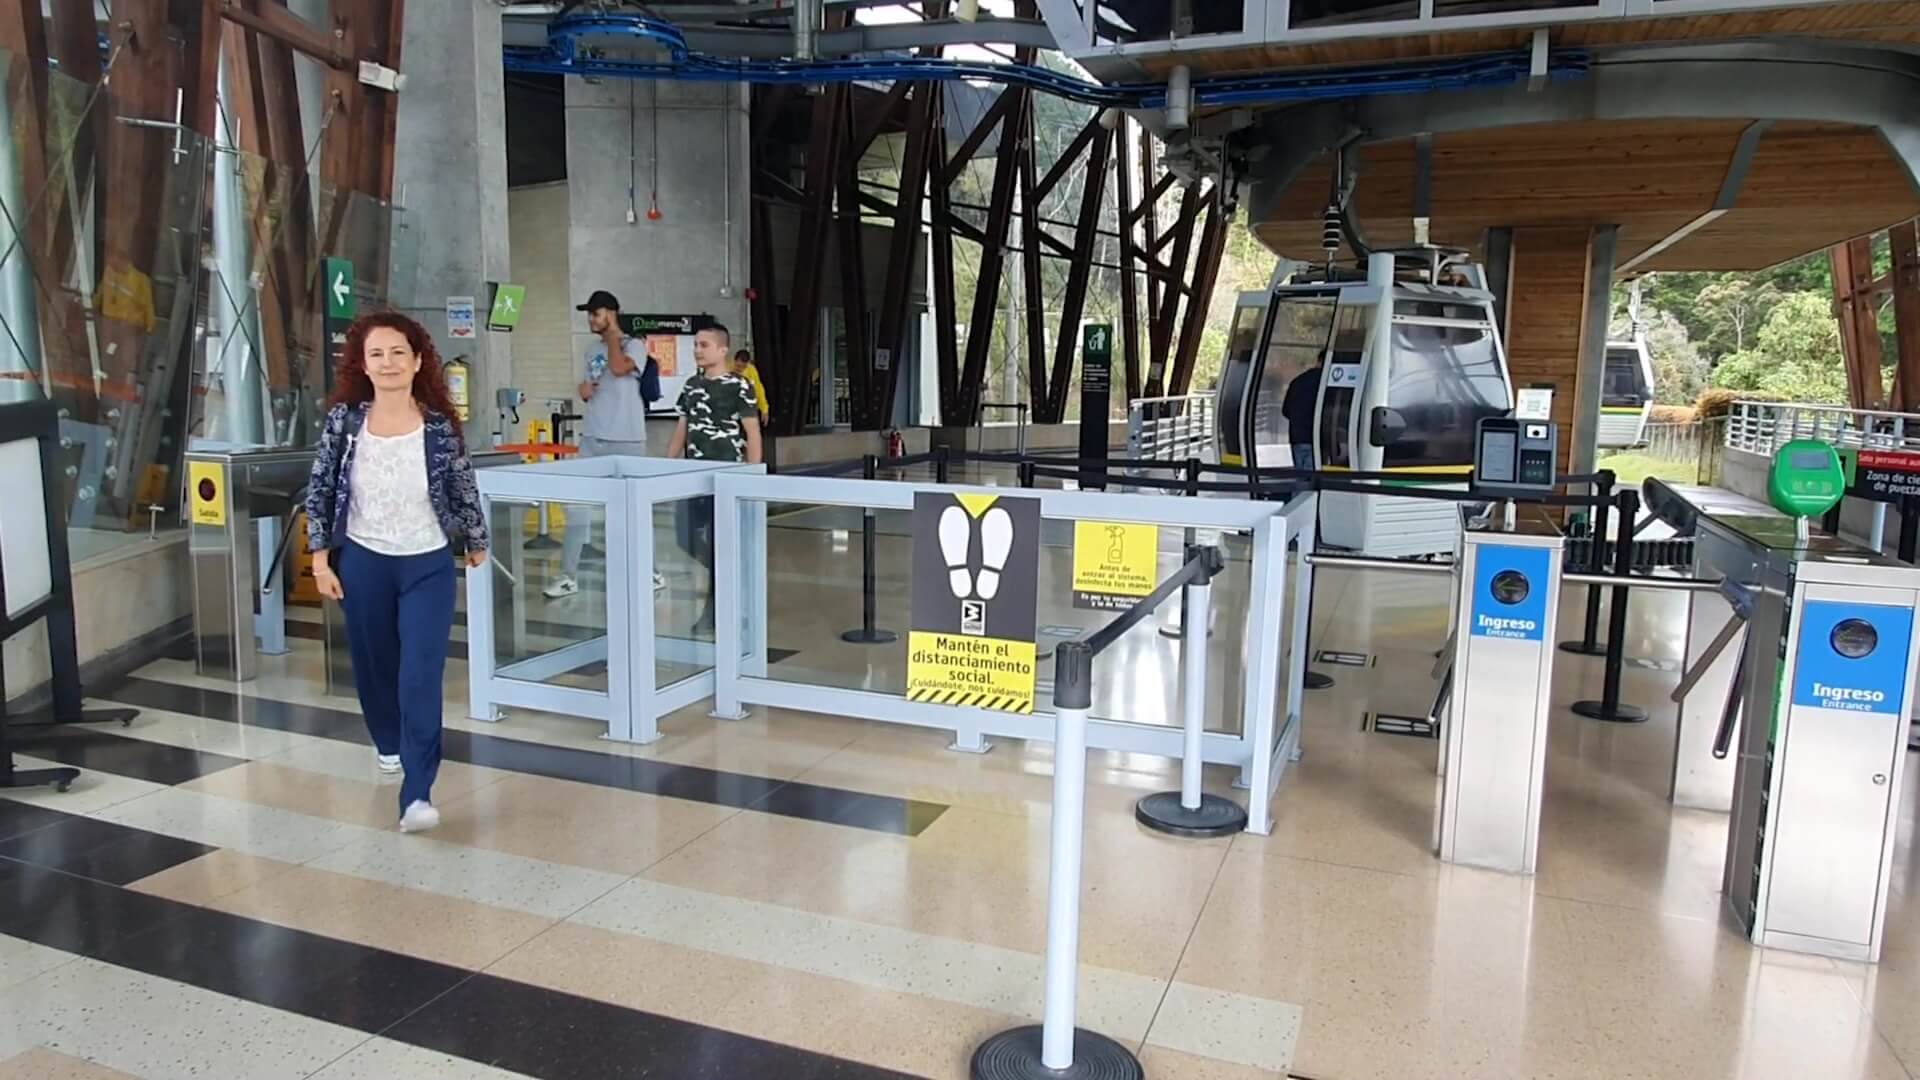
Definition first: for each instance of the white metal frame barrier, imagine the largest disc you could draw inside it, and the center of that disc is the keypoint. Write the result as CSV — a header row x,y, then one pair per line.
x,y
1171,428
1270,728
1762,427
629,488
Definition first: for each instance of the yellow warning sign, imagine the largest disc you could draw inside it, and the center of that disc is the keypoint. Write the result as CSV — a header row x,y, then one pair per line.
x,y
975,569
207,492
955,669
1114,563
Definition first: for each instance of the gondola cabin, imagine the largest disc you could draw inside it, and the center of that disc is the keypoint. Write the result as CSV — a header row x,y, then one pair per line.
x,y
1386,373
1626,395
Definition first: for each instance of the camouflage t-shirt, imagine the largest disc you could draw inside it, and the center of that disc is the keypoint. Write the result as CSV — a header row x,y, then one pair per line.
x,y
713,407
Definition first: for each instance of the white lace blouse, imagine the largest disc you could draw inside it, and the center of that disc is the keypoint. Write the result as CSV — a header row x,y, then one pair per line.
x,y
390,512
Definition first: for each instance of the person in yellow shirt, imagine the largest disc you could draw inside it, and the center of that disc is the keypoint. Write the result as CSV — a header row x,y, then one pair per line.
x,y
743,367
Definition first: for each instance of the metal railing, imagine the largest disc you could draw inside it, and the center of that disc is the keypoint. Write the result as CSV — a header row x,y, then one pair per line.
x,y
1761,427
1674,442
1171,428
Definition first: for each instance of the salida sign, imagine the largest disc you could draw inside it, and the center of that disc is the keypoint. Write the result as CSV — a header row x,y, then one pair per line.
x,y
1883,475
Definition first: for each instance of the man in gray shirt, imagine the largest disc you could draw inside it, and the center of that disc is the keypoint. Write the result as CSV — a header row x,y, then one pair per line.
x,y
621,381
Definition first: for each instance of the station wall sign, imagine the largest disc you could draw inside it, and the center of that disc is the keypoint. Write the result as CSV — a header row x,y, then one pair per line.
x,y
1114,564
976,565
1889,476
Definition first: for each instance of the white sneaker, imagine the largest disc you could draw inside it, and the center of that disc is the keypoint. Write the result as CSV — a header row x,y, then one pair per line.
x,y
389,763
659,583
420,817
564,585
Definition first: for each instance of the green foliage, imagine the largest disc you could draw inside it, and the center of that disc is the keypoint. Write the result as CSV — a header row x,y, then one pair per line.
x,y
1631,469
1795,354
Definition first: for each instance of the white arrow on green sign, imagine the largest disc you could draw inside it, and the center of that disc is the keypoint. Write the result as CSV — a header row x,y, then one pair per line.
x,y
337,283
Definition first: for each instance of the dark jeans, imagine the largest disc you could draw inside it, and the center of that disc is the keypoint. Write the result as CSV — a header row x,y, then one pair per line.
x,y
399,612
693,528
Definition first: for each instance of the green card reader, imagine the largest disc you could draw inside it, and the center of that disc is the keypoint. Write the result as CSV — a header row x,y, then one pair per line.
x,y
1512,456
1806,479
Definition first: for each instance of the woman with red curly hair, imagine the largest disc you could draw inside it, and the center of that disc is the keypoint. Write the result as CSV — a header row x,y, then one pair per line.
x,y
392,491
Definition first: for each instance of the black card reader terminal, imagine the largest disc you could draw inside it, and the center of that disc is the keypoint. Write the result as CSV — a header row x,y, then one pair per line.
x,y
1516,456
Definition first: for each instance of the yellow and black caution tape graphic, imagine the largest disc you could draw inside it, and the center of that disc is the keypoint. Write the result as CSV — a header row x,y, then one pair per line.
x,y
1013,703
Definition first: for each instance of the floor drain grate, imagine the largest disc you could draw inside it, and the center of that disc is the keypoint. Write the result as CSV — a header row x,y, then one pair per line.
x,y
1416,727
1344,659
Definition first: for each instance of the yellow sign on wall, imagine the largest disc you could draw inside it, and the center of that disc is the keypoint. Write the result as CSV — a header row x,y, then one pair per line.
x,y
207,492
1114,563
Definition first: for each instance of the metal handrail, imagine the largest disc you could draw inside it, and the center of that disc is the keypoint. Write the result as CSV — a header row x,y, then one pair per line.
x,y
1762,427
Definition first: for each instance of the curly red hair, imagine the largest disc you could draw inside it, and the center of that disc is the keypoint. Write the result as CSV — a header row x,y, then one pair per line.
x,y
351,385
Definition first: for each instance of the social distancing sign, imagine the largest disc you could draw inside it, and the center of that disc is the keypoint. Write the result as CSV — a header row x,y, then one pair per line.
x,y
1114,564
975,582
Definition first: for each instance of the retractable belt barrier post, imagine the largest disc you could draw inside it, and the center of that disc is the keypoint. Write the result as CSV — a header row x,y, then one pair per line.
x,y
1610,708
867,633
1056,1049
1190,811
1589,644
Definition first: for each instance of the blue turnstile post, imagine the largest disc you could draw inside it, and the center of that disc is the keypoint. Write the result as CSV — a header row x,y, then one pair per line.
x,y
1494,721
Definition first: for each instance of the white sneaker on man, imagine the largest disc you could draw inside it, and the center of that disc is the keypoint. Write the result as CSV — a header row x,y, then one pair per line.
x,y
419,817
389,763
564,585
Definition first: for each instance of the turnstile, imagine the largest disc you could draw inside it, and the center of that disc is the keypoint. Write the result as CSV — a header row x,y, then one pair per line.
x,y
240,503
1824,685
1494,703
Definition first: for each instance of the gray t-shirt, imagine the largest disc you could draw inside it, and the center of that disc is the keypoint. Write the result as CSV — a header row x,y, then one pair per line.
x,y
616,412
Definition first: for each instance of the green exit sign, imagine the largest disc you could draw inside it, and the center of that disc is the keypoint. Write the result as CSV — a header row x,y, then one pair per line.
x,y
336,283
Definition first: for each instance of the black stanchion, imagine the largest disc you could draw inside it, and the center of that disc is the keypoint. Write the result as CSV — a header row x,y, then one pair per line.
x,y
1589,645
1610,708
942,464
1909,530
867,633
1188,811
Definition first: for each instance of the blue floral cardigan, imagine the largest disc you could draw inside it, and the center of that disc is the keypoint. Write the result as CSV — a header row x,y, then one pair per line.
x,y
450,484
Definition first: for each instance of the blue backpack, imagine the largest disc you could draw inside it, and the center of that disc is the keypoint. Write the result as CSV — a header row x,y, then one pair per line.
x,y
650,382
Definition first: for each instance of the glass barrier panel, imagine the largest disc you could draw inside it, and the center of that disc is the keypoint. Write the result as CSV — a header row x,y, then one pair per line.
x,y
97,296
543,629
814,567
683,613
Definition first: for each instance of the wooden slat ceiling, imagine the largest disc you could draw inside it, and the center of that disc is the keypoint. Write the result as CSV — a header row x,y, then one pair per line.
x,y
1889,22
1809,186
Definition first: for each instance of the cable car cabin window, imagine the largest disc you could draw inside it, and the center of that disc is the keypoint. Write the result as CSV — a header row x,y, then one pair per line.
x,y
1623,384
1445,378
1296,339
1351,329
1242,342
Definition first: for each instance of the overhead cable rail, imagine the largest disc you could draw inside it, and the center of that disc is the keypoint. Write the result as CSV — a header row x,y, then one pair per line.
x,y
571,41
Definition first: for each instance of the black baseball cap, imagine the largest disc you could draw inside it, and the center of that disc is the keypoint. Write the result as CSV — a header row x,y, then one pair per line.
x,y
601,298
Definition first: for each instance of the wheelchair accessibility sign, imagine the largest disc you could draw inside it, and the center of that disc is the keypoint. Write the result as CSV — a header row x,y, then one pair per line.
x,y
975,582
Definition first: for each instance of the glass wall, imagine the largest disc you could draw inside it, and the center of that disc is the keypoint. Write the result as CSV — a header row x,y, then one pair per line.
x,y
161,287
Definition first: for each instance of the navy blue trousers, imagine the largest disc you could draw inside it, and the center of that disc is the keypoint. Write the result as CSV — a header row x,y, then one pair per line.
x,y
399,612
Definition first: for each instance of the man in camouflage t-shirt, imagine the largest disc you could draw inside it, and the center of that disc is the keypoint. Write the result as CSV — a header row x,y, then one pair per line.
x,y
719,421
719,417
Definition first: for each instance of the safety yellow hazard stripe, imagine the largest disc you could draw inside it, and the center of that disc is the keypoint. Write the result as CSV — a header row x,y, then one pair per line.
x,y
978,699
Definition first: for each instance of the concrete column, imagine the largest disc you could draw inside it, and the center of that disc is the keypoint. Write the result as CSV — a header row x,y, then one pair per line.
x,y
680,147
1546,299
450,181
1602,254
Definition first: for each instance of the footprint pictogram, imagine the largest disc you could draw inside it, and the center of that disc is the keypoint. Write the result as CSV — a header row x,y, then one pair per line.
x,y
996,541
956,533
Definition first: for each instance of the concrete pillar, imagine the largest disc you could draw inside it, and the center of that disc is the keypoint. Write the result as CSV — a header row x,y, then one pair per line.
x,y
680,147
450,181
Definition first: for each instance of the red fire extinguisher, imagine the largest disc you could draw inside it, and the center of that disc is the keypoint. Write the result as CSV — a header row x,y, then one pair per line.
x,y
896,444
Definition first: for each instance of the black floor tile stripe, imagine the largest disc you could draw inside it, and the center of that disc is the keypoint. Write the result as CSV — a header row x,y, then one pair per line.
x,y
527,1029
862,810
105,749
